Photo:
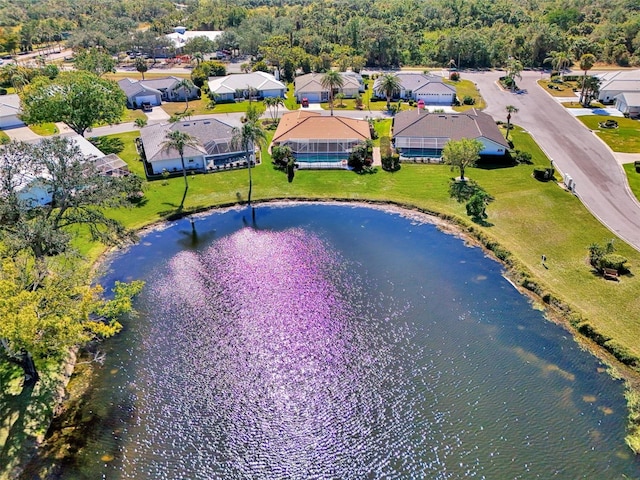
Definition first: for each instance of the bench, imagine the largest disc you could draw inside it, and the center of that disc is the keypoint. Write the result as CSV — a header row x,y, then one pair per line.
x,y
610,273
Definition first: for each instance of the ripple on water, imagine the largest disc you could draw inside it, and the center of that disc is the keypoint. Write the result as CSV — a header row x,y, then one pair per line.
x,y
270,359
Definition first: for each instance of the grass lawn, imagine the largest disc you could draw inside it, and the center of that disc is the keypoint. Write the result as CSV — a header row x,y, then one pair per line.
x,y
382,128
132,115
564,89
464,88
44,129
134,74
4,138
290,102
633,177
625,138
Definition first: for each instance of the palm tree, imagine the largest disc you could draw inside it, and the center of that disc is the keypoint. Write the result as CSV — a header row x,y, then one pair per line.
x,y
141,66
340,96
248,137
514,69
559,61
177,140
273,104
586,63
186,86
332,80
389,84
198,57
510,109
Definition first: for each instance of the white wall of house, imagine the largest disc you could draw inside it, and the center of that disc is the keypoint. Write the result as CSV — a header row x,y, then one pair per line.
x,y
273,93
174,165
140,99
622,106
491,147
435,98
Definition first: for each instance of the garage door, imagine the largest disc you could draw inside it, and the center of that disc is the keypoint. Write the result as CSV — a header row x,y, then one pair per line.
x,y
152,99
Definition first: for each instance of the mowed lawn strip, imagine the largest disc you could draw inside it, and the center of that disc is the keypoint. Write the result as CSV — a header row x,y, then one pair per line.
x,y
625,138
633,177
528,218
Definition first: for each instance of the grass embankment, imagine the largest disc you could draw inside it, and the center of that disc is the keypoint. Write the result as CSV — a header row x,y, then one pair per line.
x,y
466,88
633,177
625,138
44,129
558,88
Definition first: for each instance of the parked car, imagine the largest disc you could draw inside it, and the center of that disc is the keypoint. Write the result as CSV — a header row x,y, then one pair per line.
x,y
305,102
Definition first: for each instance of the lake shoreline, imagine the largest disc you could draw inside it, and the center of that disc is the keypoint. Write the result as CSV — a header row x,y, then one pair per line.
x,y
472,237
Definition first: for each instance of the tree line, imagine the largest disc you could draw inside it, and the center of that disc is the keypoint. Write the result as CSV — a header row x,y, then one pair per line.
x,y
375,33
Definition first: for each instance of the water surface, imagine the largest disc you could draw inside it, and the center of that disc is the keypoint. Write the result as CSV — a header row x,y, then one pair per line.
x,y
340,342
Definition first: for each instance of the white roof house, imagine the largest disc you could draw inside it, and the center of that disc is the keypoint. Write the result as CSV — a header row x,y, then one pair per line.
x,y
232,86
10,111
629,103
181,36
431,89
614,83
309,86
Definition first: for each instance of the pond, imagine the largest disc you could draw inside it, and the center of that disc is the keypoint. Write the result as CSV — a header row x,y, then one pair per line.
x,y
341,342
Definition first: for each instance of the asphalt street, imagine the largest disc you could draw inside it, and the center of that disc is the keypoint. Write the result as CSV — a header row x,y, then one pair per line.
x,y
600,181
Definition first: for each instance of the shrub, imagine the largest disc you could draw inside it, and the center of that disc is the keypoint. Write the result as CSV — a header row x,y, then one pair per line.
x,y
391,163
3,91
525,157
140,122
637,165
455,76
543,174
468,100
614,261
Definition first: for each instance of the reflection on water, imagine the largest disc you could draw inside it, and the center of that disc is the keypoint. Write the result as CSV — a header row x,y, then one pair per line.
x,y
344,343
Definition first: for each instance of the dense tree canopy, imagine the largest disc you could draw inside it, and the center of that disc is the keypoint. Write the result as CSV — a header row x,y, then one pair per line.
x,y
79,194
80,99
476,33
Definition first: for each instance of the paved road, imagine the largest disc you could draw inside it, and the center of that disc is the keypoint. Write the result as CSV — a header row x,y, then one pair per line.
x,y
600,181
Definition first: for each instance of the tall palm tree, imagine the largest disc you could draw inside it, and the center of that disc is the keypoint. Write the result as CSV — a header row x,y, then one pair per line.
x,y
247,137
273,104
177,140
332,80
389,84
559,61
514,69
510,109
586,63
186,86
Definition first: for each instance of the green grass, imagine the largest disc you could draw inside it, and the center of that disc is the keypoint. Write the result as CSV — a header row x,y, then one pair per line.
x,y
565,89
625,138
44,129
633,177
290,102
464,88
132,115
4,138
382,128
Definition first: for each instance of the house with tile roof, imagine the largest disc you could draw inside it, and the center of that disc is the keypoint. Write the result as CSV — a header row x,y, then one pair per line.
x,y
261,84
10,112
419,134
320,141
431,89
156,90
309,86
214,148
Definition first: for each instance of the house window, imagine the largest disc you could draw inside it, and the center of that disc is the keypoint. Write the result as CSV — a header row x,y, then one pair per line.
x,y
191,160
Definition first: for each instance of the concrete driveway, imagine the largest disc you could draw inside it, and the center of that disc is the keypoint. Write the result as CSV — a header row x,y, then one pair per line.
x,y
600,181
